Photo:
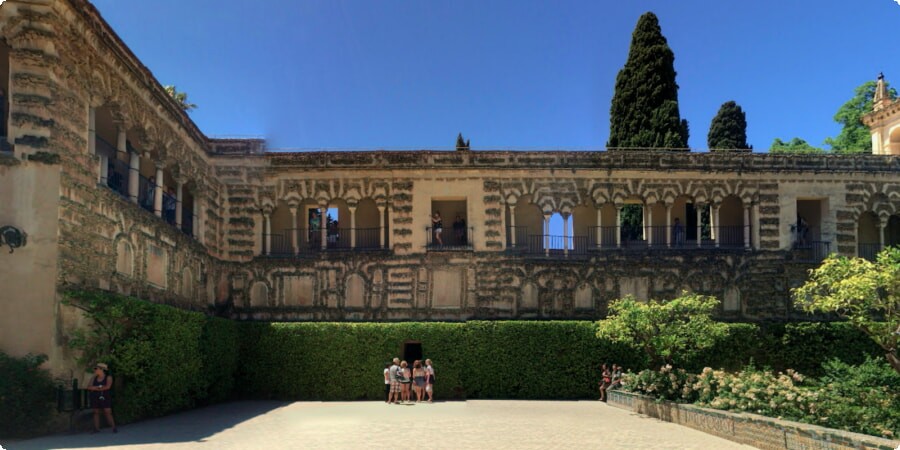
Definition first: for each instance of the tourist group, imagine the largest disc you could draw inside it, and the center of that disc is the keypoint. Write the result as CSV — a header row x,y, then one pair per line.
x,y
399,378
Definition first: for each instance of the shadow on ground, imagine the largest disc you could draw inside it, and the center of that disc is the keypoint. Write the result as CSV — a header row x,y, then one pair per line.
x,y
192,426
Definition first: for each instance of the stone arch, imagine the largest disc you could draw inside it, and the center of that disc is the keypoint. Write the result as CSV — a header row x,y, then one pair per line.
x,y
259,294
124,256
730,229
868,235
355,291
894,141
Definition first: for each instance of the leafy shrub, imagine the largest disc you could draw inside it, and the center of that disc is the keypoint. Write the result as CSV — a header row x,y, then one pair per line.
x,y
163,359
26,395
670,332
863,398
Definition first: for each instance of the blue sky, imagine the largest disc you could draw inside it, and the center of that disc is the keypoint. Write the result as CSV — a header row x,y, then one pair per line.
x,y
507,74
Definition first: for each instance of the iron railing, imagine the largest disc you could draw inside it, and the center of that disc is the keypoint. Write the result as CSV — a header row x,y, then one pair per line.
x,y
812,251
869,251
557,246
117,176
516,238
310,241
638,237
449,239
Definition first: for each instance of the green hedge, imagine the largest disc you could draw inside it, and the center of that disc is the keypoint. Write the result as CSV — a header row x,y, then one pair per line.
x,y
163,359
502,359
26,395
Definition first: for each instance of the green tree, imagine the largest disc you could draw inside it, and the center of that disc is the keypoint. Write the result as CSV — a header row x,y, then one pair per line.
x,y
670,332
855,136
644,111
181,98
864,293
795,145
728,130
461,144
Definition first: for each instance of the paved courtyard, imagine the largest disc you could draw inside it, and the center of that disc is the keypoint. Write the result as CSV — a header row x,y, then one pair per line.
x,y
456,425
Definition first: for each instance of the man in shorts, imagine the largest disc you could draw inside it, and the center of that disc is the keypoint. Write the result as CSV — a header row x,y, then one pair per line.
x,y
394,375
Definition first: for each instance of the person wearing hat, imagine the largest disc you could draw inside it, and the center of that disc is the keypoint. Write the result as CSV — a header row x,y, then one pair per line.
x,y
101,398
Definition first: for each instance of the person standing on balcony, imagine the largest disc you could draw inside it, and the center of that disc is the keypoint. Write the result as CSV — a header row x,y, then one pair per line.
x,y
438,225
678,233
169,205
459,229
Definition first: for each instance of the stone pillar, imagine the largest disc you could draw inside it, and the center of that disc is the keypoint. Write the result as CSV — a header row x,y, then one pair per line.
x,y
668,225
512,226
352,227
179,189
754,228
134,168
323,224
644,220
158,190
381,229
295,233
599,230
267,230
713,225
618,226
546,234
747,227
566,234
195,224
648,225
699,209
882,226
92,146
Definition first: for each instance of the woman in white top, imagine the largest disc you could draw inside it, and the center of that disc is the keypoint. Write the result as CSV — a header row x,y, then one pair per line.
x,y
387,382
429,380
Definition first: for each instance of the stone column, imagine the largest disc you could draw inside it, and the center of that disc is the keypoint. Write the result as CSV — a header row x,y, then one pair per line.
x,y
882,226
546,234
747,227
323,224
512,226
599,230
295,233
352,227
644,220
158,190
618,226
699,209
566,234
668,225
267,230
134,167
648,225
381,230
754,228
92,146
713,225
195,224
179,190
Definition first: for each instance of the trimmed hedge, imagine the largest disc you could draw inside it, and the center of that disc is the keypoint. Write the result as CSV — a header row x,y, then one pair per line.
x,y
26,395
502,359
163,359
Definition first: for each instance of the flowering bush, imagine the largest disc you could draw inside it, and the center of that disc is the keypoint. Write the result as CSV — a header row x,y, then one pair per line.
x,y
864,398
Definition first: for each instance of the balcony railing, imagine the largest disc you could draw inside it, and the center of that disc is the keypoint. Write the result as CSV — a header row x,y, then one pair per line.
x,y
449,239
309,241
812,251
869,251
552,246
117,176
517,238
658,237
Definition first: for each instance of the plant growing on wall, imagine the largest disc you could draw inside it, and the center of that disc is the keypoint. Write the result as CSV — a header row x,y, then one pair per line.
x,y
864,293
181,98
668,332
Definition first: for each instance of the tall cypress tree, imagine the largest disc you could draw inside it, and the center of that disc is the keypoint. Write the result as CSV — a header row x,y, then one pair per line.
x,y
728,129
644,111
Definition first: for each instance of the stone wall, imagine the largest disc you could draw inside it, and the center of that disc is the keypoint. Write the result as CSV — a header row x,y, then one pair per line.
x,y
750,429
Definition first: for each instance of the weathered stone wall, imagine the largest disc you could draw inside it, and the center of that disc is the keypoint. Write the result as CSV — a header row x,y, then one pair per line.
x,y
462,285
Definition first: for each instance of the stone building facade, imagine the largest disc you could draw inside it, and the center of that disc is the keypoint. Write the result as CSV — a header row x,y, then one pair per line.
x,y
117,189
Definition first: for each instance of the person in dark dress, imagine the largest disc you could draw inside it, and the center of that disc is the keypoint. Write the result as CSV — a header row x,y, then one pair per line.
x,y
101,398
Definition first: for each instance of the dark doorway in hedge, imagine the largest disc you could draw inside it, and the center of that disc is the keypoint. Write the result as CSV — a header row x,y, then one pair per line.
x,y
412,350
